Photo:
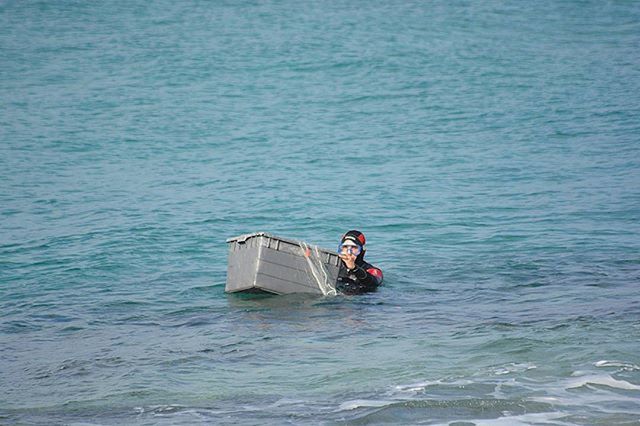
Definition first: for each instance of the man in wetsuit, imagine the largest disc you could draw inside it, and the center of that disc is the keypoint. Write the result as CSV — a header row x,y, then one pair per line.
x,y
361,276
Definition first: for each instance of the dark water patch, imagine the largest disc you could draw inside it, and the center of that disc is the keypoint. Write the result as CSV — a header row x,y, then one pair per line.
x,y
126,305
20,326
269,301
140,320
194,360
72,329
70,368
53,318
195,322
188,310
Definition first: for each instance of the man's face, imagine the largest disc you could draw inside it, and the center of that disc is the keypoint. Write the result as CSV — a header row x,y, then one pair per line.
x,y
349,247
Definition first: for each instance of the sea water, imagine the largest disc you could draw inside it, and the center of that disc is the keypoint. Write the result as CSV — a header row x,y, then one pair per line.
x,y
489,151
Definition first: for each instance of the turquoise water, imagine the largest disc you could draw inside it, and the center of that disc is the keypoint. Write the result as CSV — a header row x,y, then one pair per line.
x,y
490,151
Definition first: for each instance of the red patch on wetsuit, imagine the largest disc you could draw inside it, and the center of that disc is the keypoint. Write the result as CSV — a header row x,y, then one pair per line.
x,y
375,272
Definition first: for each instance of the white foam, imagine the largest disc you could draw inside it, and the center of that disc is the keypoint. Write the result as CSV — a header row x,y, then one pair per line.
x,y
624,365
287,401
497,390
601,379
165,408
548,399
583,399
523,419
356,403
513,368
416,387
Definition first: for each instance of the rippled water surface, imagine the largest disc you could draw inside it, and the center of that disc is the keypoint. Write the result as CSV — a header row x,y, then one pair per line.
x,y
489,151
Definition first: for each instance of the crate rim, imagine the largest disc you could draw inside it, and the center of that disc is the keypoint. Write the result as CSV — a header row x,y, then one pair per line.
x,y
244,237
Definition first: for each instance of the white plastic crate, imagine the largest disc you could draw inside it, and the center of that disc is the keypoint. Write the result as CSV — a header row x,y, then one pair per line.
x,y
261,262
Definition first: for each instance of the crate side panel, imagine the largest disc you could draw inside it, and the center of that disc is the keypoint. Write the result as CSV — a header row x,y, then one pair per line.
x,y
282,286
294,268
242,266
285,259
286,273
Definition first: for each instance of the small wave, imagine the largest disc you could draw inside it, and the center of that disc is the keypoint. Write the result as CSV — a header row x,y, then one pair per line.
x,y
491,410
283,402
618,364
421,386
17,327
523,419
601,379
513,368
357,403
127,304
415,387
165,409
72,329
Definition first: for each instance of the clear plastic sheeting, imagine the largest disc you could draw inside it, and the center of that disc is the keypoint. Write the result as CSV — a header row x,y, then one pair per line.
x,y
317,270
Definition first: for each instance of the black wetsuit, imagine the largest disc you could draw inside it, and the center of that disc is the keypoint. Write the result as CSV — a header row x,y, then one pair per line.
x,y
362,279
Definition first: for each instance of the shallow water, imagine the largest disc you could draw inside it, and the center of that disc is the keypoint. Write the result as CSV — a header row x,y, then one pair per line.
x,y
489,152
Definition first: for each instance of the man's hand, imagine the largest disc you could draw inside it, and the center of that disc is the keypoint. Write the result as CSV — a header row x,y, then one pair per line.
x,y
349,260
